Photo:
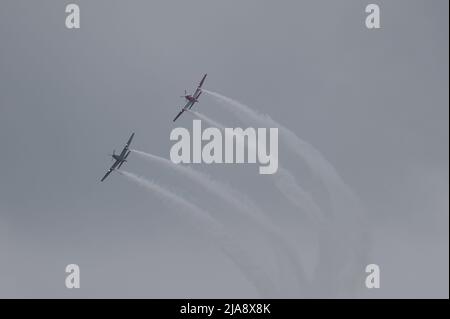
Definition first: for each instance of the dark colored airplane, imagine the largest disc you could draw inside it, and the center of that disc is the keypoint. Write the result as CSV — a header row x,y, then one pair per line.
x,y
119,158
191,99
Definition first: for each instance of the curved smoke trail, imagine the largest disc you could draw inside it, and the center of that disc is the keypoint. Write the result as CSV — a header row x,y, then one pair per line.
x,y
336,187
351,232
233,250
242,204
284,180
208,120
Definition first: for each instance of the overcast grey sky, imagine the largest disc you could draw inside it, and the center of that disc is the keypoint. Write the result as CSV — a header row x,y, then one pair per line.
x,y
373,102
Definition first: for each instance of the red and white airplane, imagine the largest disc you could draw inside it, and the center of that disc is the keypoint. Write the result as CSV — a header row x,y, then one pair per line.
x,y
191,99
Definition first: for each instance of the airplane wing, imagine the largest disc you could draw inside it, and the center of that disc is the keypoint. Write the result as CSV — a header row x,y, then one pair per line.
x,y
113,167
127,146
198,91
201,82
179,114
188,106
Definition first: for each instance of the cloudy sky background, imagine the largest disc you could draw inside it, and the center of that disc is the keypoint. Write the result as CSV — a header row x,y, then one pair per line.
x,y
374,102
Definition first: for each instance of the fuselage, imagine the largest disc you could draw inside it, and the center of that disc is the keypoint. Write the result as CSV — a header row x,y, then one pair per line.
x,y
190,98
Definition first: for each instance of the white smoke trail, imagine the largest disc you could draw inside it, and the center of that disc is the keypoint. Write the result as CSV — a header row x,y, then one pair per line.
x,y
208,120
284,180
239,202
288,186
352,230
316,162
217,188
233,250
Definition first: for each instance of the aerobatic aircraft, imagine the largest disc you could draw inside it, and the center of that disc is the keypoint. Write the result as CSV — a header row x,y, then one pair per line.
x,y
191,99
119,158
